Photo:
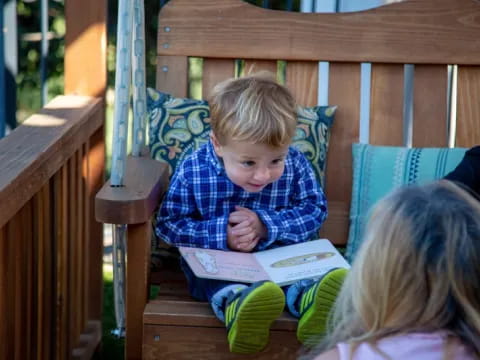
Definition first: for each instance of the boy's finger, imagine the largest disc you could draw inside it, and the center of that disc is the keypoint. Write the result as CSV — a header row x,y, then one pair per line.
x,y
236,218
246,238
242,225
241,231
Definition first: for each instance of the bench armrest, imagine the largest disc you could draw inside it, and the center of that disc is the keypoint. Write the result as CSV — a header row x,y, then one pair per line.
x,y
146,180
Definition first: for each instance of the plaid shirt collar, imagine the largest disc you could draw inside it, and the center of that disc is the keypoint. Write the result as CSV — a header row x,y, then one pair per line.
x,y
216,162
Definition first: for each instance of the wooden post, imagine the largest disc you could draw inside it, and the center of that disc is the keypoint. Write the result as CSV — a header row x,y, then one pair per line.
x,y
86,74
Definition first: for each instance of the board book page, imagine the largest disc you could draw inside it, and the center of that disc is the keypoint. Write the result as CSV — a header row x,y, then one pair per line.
x,y
283,265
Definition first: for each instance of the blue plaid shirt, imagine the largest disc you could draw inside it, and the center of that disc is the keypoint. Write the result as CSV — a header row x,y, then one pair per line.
x,y
200,198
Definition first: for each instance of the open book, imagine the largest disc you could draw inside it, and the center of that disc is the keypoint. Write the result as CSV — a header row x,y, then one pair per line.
x,y
283,265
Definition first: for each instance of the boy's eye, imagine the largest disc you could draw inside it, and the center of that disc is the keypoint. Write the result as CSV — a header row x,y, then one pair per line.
x,y
277,161
248,163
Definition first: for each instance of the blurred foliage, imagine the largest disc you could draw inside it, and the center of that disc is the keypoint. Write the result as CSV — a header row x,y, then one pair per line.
x,y
28,78
29,55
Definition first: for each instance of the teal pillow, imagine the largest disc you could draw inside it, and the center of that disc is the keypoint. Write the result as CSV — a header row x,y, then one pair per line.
x,y
177,127
377,170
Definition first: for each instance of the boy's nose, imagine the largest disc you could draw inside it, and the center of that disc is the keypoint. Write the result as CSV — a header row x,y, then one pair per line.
x,y
262,174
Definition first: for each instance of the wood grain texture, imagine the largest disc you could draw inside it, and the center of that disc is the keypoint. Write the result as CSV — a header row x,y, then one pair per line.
x,y
256,65
5,352
145,181
63,243
386,105
138,269
468,106
172,75
95,163
344,91
198,314
88,341
73,300
430,106
399,32
302,80
85,47
186,342
215,71
35,150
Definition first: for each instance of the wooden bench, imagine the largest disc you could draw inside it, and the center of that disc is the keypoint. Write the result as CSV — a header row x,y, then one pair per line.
x,y
430,34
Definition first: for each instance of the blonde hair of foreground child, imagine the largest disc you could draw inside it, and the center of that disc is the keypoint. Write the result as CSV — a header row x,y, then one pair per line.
x,y
254,109
417,271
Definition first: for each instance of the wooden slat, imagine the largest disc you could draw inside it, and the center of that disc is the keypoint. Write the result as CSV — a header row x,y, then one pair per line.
x,y
62,297
430,105
73,303
172,75
138,269
5,348
344,91
16,234
254,66
185,343
95,165
11,281
45,270
30,282
34,151
177,312
386,105
215,71
468,106
398,32
85,42
302,80
80,252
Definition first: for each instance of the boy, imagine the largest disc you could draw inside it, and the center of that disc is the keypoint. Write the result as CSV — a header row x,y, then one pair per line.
x,y
248,190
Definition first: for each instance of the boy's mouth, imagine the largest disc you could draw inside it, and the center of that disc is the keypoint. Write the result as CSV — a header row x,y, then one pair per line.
x,y
258,186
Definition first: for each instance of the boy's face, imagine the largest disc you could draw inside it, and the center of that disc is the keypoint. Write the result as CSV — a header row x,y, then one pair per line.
x,y
251,166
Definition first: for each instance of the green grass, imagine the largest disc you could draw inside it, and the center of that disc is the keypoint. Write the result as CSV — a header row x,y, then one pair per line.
x,y
112,347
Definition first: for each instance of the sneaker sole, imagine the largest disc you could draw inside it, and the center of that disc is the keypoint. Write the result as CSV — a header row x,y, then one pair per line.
x,y
251,330
313,324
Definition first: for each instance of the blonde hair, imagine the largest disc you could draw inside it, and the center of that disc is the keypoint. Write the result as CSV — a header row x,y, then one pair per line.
x,y
418,270
253,108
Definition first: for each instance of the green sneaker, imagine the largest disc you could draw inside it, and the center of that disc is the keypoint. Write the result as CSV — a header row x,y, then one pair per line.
x,y
249,314
316,304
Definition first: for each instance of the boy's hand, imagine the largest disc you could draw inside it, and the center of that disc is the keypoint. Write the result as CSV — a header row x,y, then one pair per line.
x,y
247,223
244,243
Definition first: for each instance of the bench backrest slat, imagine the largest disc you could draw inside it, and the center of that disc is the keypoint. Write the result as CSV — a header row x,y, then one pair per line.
x,y
468,106
172,75
430,96
215,71
403,32
302,80
386,105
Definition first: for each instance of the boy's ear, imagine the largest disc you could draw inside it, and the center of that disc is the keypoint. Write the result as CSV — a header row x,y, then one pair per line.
x,y
216,144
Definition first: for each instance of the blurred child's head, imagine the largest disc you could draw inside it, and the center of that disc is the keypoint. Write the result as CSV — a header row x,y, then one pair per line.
x,y
418,268
253,122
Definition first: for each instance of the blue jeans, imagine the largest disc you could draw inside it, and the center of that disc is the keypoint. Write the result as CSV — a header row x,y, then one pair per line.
x,y
217,291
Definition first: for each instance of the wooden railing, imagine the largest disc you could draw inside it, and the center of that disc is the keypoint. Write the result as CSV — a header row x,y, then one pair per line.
x,y
50,245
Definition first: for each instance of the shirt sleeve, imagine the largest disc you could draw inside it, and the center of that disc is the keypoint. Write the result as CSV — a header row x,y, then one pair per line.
x,y
301,220
179,222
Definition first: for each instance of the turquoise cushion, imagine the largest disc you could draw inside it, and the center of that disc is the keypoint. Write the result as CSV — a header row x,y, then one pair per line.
x,y
377,170
179,126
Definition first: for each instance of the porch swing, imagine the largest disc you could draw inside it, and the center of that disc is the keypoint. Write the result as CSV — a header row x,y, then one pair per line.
x,y
428,33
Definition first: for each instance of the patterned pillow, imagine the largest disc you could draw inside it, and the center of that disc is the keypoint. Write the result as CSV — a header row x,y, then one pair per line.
x,y
377,170
177,127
